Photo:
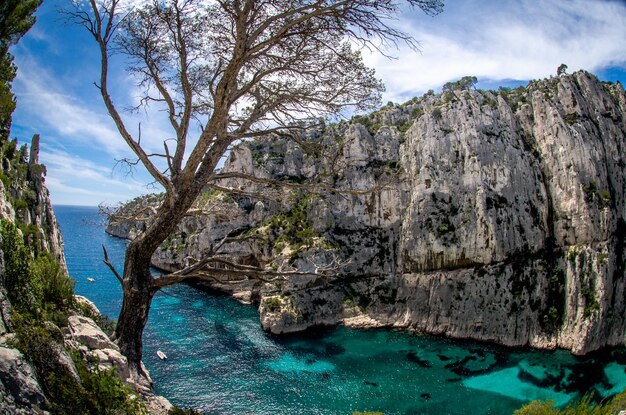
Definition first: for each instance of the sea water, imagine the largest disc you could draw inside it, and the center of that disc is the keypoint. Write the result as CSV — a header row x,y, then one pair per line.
x,y
221,362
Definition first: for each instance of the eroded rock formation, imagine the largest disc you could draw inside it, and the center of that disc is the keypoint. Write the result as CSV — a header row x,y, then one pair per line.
x,y
497,216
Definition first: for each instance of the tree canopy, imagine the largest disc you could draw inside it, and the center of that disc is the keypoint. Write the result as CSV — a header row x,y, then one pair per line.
x,y
465,83
16,17
223,71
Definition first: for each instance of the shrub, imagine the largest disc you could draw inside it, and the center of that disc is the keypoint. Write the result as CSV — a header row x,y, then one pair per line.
x,y
571,118
417,112
37,342
38,288
537,408
447,97
605,199
551,319
98,392
51,283
16,262
590,190
9,149
593,194
106,324
38,169
95,392
5,180
553,314
273,304
362,119
591,302
403,128
584,406
107,394
294,228
490,102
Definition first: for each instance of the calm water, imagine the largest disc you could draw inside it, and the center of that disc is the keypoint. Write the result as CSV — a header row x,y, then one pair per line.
x,y
221,362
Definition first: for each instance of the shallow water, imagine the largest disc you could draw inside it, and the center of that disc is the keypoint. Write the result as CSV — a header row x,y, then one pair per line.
x,y
221,362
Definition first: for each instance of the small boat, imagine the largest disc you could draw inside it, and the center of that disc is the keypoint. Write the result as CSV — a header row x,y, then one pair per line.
x,y
90,279
161,355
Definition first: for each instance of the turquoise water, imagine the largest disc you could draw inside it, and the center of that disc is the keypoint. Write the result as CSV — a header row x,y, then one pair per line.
x,y
221,362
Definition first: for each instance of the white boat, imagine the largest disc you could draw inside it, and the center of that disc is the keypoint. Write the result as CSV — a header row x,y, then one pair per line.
x,y
161,355
90,279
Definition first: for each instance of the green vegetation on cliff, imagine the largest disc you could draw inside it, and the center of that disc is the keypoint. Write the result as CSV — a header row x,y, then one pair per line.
x,y
38,288
42,297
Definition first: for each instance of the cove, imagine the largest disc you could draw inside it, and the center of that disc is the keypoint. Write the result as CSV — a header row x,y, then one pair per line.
x,y
221,362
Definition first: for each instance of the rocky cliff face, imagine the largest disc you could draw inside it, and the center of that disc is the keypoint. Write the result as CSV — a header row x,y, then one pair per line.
x,y
25,200
490,216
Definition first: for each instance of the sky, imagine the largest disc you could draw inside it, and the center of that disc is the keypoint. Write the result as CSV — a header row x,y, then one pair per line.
x,y
501,42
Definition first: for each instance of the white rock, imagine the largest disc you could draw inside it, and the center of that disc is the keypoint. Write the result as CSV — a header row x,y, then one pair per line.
x,y
85,331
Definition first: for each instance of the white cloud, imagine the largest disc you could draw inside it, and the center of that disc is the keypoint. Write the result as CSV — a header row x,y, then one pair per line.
x,y
76,123
501,40
74,180
41,96
82,118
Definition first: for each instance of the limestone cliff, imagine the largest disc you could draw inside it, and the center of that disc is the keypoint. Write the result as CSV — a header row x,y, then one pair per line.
x,y
25,200
496,216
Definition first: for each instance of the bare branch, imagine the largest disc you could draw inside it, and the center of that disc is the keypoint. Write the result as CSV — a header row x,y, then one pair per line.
x,y
102,22
267,195
311,187
139,216
228,268
110,265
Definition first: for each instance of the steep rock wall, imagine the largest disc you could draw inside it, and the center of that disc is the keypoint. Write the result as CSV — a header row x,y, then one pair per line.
x,y
495,216
26,199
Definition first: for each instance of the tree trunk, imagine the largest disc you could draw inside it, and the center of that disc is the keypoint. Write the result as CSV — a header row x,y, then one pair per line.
x,y
138,284
138,294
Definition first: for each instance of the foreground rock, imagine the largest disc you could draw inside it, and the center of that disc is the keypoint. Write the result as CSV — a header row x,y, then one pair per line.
x,y
85,336
497,217
19,388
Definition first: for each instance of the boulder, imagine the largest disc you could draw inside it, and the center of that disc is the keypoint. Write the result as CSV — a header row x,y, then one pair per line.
x,y
17,378
86,331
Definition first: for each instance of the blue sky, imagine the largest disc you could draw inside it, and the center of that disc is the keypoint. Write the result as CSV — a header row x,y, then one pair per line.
x,y
502,42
